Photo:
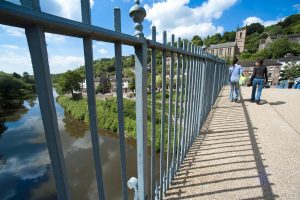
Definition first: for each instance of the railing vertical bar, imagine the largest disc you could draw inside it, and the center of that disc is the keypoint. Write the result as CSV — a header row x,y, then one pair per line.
x,y
218,80
141,117
88,58
203,92
202,66
199,96
198,87
185,132
182,93
207,81
153,112
39,58
190,111
119,91
213,84
175,139
163,105
192,98
170,115
196,96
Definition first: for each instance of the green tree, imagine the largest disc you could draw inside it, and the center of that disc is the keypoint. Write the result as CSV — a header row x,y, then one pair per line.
x,y
128,73
293,19
252,42
296,29
255,27
292,71
264,54
281,47
245,55
131,84
159,81
69,82
197,41
229,36
16,75
104,85
13,91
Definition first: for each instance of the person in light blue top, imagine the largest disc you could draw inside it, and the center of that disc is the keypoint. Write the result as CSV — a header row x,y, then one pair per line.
x,y
235,72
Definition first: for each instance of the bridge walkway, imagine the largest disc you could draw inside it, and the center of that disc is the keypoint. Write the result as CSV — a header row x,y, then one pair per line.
x,y
245,151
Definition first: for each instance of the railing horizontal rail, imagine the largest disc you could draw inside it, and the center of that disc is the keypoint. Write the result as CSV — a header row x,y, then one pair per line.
x,y
160,46
19,16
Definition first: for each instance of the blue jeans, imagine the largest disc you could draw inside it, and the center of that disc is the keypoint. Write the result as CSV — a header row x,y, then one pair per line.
x,y
257,82
297,85
234,90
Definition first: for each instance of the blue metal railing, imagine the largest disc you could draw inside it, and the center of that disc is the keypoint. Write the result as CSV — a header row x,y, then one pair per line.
x,y
199,78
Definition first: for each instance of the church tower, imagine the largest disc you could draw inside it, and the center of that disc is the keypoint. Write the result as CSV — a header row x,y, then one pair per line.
x,y
240,38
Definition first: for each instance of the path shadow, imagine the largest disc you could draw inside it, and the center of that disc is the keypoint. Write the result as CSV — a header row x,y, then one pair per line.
x,y
262,102
222,157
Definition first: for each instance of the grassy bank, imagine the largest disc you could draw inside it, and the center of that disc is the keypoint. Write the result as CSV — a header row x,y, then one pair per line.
x,y
107,116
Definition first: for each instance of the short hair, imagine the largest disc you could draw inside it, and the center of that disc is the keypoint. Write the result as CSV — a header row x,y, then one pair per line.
x,y
260,61
235,60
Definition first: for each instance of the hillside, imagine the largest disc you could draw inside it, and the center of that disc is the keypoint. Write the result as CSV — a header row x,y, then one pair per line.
x,y
256,32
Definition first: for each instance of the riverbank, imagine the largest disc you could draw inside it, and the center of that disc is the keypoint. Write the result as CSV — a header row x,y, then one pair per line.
x,y
107,116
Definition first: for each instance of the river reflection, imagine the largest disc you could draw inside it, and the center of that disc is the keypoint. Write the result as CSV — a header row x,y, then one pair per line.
x,y
25,171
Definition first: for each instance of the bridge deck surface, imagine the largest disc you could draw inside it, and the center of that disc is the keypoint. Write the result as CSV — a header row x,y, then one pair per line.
x,y
246,151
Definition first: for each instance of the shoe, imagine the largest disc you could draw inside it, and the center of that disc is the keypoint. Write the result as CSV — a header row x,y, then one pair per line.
x,y
257,102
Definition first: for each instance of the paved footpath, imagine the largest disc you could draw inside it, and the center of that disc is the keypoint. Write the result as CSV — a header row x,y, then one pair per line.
x,y
246,151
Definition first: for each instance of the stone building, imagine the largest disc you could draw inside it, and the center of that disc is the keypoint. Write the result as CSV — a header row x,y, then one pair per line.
x,y
229,49
273,69
264,43
125,84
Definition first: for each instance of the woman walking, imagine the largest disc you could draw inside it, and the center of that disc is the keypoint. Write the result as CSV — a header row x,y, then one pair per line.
x,y
235,72
258,79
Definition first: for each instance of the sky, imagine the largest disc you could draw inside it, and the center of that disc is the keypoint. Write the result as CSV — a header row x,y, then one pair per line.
x,y
183,18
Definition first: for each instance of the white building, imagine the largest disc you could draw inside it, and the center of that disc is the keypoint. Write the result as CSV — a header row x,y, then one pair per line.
x,y
289,60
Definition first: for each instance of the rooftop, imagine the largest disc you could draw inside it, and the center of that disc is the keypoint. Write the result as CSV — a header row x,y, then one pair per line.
x,y
289,59
251,63
222,45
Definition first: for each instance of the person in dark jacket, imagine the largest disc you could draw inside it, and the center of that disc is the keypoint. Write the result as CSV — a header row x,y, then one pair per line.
x,y
258,80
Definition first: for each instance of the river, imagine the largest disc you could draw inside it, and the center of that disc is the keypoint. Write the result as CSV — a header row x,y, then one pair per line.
x,y
25,170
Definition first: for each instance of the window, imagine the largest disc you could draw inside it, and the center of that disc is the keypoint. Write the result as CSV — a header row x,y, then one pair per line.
x,y
269,74
241,34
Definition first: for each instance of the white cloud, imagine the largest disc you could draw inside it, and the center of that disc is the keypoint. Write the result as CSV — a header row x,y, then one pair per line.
x,y
253,19
13,31
28,168
17,59
175,16
103,51
59,64
19,32
9,46
99,50
54,38
297,7
70,9
14,59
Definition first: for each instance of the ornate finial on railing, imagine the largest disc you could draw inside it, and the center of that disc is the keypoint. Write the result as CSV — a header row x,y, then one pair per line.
x,y
138,14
